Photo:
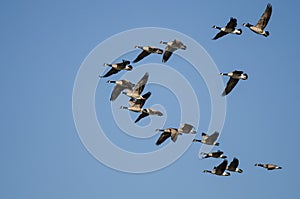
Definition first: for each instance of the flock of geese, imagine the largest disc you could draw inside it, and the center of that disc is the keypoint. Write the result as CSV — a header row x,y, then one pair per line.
x,y
137,99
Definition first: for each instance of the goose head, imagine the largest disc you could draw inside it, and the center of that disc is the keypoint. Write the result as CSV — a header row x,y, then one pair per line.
x,y
163,42
141,47
244,76
129,67
247,25
111,81
266,33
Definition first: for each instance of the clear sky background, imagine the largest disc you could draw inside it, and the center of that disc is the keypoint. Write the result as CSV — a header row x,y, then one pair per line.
x,y
43,44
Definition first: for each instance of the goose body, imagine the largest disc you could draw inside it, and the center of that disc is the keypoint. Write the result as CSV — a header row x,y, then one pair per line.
x,y
269,166
259,28
171,47
229,28
209,139
117,67
217,154
235,76
147,50
146,112
233,166
219,170
136,105
120,85
136,91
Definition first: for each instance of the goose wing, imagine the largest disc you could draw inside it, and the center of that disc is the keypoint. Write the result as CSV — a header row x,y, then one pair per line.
x,y
119,88
166,56
110,72
154,112
116,92
212,138
233,164
264,19
222,167
232,23
141,56
230,85
139,87
163,137
141,102
220,34
141,116
186,128
174,134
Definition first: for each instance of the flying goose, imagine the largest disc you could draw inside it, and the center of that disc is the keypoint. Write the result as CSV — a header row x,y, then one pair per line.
x,y
136,105
120,85
147,50
217,154
174,132
262,22
209,139
138,88
229,28
235,76
171,47
269,166
146,112
233,166
219,170
117,67
169,132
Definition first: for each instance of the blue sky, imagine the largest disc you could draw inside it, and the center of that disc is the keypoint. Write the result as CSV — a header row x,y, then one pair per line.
x,y
44,44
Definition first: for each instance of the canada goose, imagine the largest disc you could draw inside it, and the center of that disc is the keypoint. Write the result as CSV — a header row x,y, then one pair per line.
x,y
171,47
174,132
147,50
138,88
187,128
262,22
209,139
146,112
229,28
137,105
219,170
117,67
235,76
169,132
120,85
233,166
269,166
217,154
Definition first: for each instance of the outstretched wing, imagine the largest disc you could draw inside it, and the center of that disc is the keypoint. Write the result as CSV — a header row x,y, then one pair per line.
x,y
221,167
234,164
141,102
186,128
213,137
110,72
139,87
166,56
141,56
116,92
232,23
163,137
230,85
220,34
155,112
264,19
141,116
